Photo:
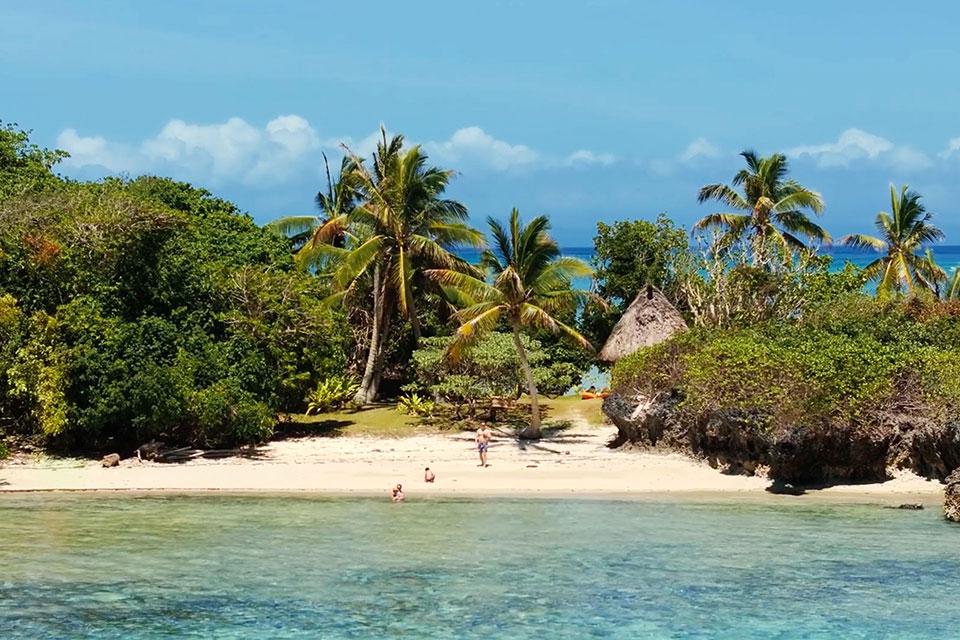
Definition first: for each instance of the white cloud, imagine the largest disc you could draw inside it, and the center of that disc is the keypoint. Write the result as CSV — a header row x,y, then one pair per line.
x,y
585,157
953,146
94,150
700,147
235,150
473,144
857,145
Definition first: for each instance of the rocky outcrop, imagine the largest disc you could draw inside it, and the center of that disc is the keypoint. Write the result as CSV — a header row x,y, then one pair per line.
x,y
929,450
800,454
735,442
643,422
828,453
110,460
951,500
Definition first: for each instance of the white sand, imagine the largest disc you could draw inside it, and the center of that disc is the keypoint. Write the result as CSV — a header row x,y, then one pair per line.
x,y
578,462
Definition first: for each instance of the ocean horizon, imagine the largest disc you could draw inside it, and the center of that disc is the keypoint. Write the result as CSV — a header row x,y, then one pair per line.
x,y
946,255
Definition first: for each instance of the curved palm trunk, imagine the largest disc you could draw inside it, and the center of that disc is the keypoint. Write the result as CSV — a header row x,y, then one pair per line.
x,y
414,322
370,381
531,431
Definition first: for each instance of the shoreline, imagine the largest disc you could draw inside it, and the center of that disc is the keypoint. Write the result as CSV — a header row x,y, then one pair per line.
x,y
835,495
576,464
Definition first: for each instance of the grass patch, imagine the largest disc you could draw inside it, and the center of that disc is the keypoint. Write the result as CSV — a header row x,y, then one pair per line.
x,y
385,421
573,408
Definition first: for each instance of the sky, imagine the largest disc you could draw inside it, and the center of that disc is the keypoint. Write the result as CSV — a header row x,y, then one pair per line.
x,y
584,111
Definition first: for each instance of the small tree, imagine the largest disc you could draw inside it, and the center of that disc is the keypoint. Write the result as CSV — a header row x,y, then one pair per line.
x,y
530,285
489,367
903,232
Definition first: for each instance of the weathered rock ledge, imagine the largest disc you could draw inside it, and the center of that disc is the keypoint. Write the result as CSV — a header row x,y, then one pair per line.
x,y
798,454
951,500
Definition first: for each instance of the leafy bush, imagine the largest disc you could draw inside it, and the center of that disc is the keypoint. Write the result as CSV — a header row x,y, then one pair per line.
x,y
331,393
850,364
147,308
488,368
414,405
227,415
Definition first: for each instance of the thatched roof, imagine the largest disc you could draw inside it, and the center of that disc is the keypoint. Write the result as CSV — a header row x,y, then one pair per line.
x,y
649,320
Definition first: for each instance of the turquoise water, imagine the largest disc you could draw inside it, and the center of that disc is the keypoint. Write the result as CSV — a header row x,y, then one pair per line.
x,y
305,567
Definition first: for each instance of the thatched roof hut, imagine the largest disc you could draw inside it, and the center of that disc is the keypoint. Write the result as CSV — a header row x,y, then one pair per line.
x,y
649,320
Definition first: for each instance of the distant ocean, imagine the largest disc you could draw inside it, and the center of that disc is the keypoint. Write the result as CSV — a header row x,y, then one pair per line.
x,y
947,256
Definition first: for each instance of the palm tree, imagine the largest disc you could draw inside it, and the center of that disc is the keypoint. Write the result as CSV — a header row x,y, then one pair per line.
x,y
774,207
311,234
401,225
902,234
530,284
953,289
930,274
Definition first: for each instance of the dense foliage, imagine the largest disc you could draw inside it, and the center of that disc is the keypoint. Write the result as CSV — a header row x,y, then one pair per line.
x,y
488,368
133,310
628,255
856,361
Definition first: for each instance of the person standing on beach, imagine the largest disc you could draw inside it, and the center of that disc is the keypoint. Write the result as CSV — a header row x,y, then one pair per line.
x,y
483,442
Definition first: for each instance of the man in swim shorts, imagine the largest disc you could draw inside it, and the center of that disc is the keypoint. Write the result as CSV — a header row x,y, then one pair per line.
x,y
483,442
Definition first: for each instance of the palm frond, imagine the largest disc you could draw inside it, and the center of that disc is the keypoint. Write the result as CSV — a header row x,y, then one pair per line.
x,y
356,262
534,316
724,221
800,198
471,286
724,194
797,222
860,241
483,317
292,225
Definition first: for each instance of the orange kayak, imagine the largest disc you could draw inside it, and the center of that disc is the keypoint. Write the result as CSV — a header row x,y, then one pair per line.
x,y
587,395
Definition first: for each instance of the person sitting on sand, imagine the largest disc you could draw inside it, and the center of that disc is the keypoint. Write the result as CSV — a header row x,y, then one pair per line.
x,y
398,493
483,442
429,476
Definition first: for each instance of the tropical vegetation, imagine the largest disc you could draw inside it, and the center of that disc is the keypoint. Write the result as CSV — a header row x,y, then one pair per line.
x,y
149,309
531,283
774,207
395,223
903,233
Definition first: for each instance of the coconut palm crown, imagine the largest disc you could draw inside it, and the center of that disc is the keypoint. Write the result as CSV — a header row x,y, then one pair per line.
x,y
311,234
401,225
903,232
775,208
529,283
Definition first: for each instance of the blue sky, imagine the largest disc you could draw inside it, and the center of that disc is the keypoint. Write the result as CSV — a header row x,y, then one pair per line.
x,y
584,111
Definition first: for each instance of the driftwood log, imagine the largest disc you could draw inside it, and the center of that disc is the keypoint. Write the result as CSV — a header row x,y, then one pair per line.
x,y
158,452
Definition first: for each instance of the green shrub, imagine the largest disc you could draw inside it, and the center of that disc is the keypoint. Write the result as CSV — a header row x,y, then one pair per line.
x,y
488,368
331,393
854,364
414,405
226,415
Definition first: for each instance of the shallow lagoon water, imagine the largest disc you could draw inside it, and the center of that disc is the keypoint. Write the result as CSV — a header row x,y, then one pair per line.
x,y
81,566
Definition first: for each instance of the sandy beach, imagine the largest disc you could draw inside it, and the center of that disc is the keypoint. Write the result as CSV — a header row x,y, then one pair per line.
x,y
578,462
